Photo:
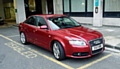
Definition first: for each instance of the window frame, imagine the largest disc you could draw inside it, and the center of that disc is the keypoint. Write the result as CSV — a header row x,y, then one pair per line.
x,y
27,21
80,14
113,14
48,28
45,23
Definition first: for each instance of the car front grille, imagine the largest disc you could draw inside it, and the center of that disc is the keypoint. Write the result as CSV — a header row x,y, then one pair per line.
x,y
96,42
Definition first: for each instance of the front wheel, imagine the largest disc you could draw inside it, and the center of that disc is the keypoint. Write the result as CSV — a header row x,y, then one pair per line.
x,y
58,51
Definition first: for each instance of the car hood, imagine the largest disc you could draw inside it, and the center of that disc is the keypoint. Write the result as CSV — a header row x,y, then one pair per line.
x,y
79,33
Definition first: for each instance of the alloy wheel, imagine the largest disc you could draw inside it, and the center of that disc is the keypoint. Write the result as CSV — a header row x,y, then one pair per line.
x,y
23,38
56,51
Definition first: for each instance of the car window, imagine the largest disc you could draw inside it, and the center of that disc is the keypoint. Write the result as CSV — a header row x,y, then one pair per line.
x,y
40,21
63,22
31,21
53,25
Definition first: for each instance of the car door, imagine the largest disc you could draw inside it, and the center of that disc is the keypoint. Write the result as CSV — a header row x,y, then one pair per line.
x,y
42,35
30,27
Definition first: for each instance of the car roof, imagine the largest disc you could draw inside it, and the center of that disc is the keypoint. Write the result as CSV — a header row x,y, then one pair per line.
x,y
49,15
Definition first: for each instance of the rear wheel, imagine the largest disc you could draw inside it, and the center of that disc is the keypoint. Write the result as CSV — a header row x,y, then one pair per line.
x,y
23,38
58,51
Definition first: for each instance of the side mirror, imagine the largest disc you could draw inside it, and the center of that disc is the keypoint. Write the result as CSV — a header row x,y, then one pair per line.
x,y
43,27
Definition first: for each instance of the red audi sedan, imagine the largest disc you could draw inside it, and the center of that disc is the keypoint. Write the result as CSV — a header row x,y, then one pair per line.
x,y
61,35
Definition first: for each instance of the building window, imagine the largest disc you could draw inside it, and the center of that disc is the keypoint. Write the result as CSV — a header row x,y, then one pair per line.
x,y
77,5
66,6
111,8
90,5
82,8
112,5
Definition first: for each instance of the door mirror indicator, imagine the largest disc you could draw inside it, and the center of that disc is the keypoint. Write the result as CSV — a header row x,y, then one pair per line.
x,y
43,27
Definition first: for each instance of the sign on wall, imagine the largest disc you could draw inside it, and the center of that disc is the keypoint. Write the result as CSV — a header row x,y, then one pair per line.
x,y
96,6
96,3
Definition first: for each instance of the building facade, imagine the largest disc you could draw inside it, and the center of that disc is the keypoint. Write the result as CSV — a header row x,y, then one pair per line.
x,y
108,11
95,12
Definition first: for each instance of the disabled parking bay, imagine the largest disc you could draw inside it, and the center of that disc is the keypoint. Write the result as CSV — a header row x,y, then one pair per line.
x,y
14,55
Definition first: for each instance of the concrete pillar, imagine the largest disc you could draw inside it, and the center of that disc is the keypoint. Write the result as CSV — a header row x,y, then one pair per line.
x,y
44,7
19,11
98,12
2,14
58,6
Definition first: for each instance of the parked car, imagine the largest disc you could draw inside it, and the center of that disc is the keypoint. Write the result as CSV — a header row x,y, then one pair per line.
x,y
61,35
1,21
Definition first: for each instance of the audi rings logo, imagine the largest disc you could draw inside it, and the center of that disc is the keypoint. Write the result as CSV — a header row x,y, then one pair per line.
x,y
97,42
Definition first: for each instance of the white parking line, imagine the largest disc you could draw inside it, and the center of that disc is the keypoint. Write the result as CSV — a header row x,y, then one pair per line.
x,y
40,54
94,28
113,50
110,30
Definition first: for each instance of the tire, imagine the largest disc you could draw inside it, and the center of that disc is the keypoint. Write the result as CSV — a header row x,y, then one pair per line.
x,y
23,38
58,51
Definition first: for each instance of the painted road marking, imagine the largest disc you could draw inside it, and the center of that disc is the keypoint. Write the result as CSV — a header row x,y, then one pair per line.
x,y
47,57
98,60
56,61
53,60
21,49
113,50
11,40
94,28
110,30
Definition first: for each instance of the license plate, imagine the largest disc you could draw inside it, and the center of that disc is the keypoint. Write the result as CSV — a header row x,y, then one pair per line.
x,y
97,47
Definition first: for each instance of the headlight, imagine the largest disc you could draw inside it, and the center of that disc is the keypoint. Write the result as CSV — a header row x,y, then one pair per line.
x,y
77,42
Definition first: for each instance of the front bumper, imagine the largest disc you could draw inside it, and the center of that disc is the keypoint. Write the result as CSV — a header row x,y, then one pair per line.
x,y
83,52
92,48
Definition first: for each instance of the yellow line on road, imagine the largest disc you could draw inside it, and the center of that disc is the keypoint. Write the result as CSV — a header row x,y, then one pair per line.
x,y
47,57
98,60
11,40
53,60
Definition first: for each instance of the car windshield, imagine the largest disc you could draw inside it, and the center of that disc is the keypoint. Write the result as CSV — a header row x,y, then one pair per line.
x,y
62,22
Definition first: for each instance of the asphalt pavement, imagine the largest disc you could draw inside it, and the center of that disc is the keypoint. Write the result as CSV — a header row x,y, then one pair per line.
x,y
14,55
111,34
